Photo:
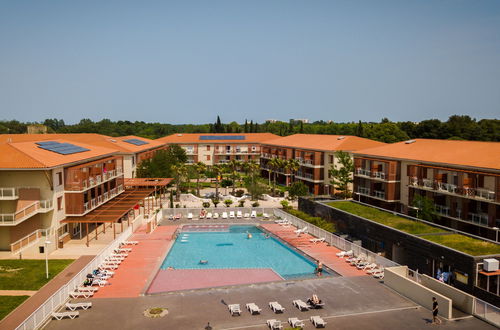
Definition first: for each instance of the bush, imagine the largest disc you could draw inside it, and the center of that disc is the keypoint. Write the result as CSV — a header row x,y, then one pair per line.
x,y
255,204
298,189
239,192
226,183
241,203
285,204
228,202
317,221
215,201
205,204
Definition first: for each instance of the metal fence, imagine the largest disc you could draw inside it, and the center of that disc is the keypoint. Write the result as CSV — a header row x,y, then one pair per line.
x,y
196,211
487,312
61,296
335,240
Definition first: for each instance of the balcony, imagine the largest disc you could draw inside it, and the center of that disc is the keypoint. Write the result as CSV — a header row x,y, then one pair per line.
x,y
363,172
376,175
307,177
101,199
479,218
379,175
8,194
448,188
442,210
379,194
12,219
308,162
98,179
364,191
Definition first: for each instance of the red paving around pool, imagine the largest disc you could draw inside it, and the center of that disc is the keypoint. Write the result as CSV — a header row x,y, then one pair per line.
x,y
319,251
184,279
134,272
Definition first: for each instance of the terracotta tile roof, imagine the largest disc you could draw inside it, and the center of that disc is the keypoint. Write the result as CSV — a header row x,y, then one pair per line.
x,y
29,155
98,140
183,138
449,152
324,142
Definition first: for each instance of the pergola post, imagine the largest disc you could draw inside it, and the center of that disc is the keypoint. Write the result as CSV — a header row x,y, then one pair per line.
x,y
114,232
104,225
96,227
87,233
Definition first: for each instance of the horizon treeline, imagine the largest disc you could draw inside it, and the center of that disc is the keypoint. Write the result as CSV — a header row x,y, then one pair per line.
x,y
456,128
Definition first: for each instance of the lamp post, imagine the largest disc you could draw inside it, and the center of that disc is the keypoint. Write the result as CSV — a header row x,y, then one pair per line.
x,y
46,259
496,233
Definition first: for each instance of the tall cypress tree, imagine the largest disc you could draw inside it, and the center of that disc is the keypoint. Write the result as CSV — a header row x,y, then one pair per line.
x,y
246,126
359,129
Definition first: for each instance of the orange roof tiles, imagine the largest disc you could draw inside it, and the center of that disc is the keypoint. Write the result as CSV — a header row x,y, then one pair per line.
x,y
184,138
324,142
449,152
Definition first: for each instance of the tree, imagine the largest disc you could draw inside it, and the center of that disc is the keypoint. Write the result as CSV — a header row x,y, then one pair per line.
x,y
342,172
275,164
180,174
297,189
359,129
233,167
228,202
292,165
200,169
426,209
218,170
160,165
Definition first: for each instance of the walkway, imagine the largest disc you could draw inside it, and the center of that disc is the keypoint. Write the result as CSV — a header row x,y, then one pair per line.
x,y
31,304
137,270
319,251
17,292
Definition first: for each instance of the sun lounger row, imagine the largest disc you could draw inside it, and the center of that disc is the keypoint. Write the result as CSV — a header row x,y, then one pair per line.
x,y
361,262
317,321
216,215
73,313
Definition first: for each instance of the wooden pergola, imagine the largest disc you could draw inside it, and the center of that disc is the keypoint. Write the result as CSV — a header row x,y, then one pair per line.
x,y
119,208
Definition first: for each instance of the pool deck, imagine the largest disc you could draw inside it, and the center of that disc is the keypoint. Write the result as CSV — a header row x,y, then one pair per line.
x,y
134,273
318,251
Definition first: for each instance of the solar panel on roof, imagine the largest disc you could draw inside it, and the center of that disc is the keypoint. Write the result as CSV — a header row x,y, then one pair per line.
x,y
136,142
61,148
222,137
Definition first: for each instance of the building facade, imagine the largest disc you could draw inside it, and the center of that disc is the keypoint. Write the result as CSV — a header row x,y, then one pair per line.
x,y
461,178
315,154
212,149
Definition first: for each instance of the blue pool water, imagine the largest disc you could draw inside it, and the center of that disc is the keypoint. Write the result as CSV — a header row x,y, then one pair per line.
x,y
232,249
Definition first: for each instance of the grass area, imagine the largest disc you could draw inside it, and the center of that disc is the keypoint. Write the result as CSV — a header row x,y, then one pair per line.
x,y
386,218
458,242
28,274
465,244
9,303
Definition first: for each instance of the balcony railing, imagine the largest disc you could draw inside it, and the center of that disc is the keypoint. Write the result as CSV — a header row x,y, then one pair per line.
x,y
101,199
305,175
451,188
10,219
477,193
364,191
363,172
485,194
28,240
480,218
8,193
379,194
99,179
443,210
379,175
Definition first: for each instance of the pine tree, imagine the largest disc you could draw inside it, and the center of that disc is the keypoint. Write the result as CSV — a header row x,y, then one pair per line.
x,y
301,130
359,129
246,126
251,127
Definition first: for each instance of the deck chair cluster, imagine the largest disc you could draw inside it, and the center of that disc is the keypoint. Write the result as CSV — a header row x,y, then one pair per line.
x,y
216,215
361,262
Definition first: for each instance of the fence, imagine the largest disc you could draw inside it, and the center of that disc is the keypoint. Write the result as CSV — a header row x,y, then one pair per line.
x,y
196,211
44,312
335,240
487,312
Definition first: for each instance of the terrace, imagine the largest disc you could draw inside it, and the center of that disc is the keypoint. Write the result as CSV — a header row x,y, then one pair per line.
x,y
465,244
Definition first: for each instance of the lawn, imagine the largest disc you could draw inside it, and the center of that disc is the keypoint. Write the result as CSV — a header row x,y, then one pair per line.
x,y
9,303
28,274
465,244
386,218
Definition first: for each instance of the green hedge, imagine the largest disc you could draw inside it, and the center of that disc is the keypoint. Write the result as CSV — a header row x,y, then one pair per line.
x,y
317,221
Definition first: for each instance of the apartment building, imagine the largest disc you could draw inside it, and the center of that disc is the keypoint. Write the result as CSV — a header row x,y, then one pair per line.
x,y
316,155
133,149
219,148
43,181
462,178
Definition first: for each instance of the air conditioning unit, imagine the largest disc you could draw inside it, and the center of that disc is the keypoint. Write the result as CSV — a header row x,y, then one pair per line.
x,y
490,265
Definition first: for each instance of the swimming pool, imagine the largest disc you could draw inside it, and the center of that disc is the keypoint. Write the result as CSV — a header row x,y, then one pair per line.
x,y
232,249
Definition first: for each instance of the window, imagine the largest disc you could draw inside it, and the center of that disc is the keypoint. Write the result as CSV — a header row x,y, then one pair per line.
x,y
133,160
208,157
59,178
208,147
59,203
480,181
331,159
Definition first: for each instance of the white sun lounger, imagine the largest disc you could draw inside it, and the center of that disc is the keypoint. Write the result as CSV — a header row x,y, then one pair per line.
x,y
317,240
301,231
79,294
190,216
253,308
224,215
59,316
216,215
123,250
295,322
285,223
99,282
379,275
232,215
112,261
75,306
265,215
253,214
87,289
239,215
201,216
274,324
209,215
129,242
234,309
276,307
246,215
317,321
302,306
343,254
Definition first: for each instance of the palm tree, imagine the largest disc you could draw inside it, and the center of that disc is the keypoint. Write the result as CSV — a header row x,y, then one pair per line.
x,y
218,170
180,173
275,164
233,167
293,166
200,169
253,170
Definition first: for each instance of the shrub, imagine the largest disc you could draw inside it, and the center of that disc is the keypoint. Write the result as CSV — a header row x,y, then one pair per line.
x,y
241,203
317,221
205,204
215,201
226,183
255,204
177,205
297,189
285,204
239,193
228,202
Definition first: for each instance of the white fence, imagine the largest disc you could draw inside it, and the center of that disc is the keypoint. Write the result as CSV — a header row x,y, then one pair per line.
x,y
335,240
44,312
196,211
487,312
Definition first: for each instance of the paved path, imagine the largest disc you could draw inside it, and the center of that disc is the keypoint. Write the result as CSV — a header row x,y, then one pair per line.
x,y
138,269
319,251
17,292
24,310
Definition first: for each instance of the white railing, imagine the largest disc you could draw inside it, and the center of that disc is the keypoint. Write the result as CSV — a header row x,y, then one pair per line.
x,y
379,194
451,188
428,183
443,210
364,190
61,296
26,212
362,171
485,194
28,240
335,240
8,193
305,175
379,175
479,218
487,312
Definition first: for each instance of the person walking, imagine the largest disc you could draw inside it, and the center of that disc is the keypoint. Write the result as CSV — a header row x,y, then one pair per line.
x,y
435,310
319,269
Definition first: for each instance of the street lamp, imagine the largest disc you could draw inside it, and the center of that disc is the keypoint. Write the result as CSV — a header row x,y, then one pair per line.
x,y
46,259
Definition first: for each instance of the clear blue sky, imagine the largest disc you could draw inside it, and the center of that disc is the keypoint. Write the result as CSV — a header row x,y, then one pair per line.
x,y
187,61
